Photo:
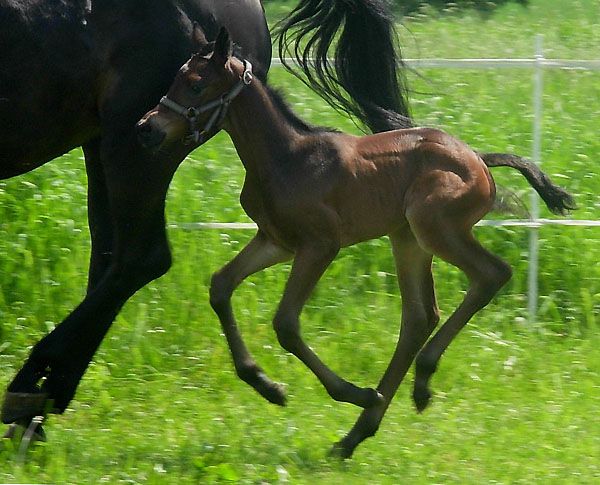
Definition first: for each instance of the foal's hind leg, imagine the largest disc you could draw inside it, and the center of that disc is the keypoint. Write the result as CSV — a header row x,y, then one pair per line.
x,y
486,272
309,264
257,255
419,318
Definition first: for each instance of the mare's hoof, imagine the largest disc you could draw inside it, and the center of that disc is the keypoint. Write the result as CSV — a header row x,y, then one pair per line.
x,y
18,406
422,398
26,432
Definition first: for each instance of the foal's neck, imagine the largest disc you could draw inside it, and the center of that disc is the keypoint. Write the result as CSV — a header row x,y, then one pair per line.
x,y
261,133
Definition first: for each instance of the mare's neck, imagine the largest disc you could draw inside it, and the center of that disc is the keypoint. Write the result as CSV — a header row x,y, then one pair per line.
x,y
262,135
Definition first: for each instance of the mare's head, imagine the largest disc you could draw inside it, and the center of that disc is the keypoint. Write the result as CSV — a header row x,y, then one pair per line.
x,y
197,101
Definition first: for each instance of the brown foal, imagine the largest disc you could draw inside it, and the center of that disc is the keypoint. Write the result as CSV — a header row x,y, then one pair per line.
x,y
312,191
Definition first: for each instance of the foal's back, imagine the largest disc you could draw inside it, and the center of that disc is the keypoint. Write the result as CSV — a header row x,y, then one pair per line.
x,y
383,177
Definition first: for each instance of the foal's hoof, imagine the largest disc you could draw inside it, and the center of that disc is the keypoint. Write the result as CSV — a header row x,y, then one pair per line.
x,y
256,377
368,398
340,451
422,398
378,399
362,397
273,393
23,405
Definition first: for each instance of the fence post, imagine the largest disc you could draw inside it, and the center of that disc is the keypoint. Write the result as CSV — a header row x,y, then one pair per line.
x,y
538,91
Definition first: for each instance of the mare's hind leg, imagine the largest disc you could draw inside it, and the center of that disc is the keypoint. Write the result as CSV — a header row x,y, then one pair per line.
x,y
486,272
259,254
419,318
309,264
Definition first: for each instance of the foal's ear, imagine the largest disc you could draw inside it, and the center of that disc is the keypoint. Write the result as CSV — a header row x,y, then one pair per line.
x,y
223,47
198,38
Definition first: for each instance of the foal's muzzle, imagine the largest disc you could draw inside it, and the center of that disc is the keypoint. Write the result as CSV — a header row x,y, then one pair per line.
x,y
149,136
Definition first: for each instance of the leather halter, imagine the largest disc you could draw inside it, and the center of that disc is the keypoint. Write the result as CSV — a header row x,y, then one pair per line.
x,y
219,106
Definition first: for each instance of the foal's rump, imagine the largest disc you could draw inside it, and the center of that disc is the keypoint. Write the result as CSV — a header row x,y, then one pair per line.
x,y
431,169
452,184
386,175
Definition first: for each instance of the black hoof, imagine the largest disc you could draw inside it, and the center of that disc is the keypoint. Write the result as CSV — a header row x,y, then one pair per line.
x,y
377,399
18,406
340,451
422,398
273,393
256,377
364,398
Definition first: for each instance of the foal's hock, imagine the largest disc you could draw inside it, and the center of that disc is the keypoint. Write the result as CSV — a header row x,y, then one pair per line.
x,y
312,191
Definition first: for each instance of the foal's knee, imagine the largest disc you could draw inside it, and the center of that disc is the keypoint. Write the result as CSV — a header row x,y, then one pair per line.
x,y
288,331
220,292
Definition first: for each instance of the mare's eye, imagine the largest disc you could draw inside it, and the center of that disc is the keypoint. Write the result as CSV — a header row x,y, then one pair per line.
x,y
197,88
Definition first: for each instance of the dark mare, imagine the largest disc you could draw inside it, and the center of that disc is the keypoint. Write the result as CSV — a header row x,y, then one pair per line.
x,y
312,191
81,73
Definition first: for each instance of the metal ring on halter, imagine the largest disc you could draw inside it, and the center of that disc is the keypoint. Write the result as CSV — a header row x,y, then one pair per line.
x,y
247,77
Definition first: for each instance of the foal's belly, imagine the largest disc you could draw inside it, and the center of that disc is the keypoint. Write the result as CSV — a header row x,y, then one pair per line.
x,y
370,209
366,226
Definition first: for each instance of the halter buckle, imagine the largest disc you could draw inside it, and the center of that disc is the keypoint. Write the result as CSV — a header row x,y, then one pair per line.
x,y
247,77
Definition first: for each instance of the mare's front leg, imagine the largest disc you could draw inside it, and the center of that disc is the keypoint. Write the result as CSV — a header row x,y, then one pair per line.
x,y
310,263
259,254
101,233
136,188
99,214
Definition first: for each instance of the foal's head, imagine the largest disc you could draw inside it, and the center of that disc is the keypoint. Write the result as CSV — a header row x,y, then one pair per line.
x,y
197,101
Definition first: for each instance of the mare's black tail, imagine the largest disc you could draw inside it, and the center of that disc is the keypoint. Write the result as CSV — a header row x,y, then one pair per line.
x,y
362,76
558,200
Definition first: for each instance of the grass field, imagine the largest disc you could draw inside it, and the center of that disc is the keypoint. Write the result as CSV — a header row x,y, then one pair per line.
x,y
516,401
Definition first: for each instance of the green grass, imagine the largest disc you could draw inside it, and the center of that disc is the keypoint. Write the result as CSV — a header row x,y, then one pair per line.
x,y
515,401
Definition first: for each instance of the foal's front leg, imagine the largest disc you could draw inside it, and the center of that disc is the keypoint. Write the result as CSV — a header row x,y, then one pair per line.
x,y
309,264
259,254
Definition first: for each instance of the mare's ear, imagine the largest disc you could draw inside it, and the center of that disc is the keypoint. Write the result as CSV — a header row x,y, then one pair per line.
x,y
223,47
198,38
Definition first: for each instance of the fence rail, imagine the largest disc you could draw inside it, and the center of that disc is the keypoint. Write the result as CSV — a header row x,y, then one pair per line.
x,y
534,223
537,64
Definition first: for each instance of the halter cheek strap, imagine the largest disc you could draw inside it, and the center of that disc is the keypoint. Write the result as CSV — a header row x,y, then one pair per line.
x,y
220,105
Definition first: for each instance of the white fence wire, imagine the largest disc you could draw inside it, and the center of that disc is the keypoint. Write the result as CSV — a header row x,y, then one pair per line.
x,y
537,64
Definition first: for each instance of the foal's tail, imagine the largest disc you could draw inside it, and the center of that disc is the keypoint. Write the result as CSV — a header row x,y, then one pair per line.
x,y
558,200
363,75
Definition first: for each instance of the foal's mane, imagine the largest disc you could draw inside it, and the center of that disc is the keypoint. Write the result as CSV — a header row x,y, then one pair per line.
x,y
290,116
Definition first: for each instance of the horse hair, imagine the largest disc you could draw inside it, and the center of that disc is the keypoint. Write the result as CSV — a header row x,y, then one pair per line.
x,y
365,48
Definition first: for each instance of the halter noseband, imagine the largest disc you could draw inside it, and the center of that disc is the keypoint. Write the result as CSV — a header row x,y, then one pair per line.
x,y
219,105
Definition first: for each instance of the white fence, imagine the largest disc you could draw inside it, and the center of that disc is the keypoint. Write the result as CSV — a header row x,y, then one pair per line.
x,y
537,64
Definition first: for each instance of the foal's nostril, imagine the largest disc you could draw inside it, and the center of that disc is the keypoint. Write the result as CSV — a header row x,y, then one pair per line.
x,y
147,135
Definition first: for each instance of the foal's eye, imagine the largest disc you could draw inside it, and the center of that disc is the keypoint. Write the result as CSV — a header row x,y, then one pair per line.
x,y
197,88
